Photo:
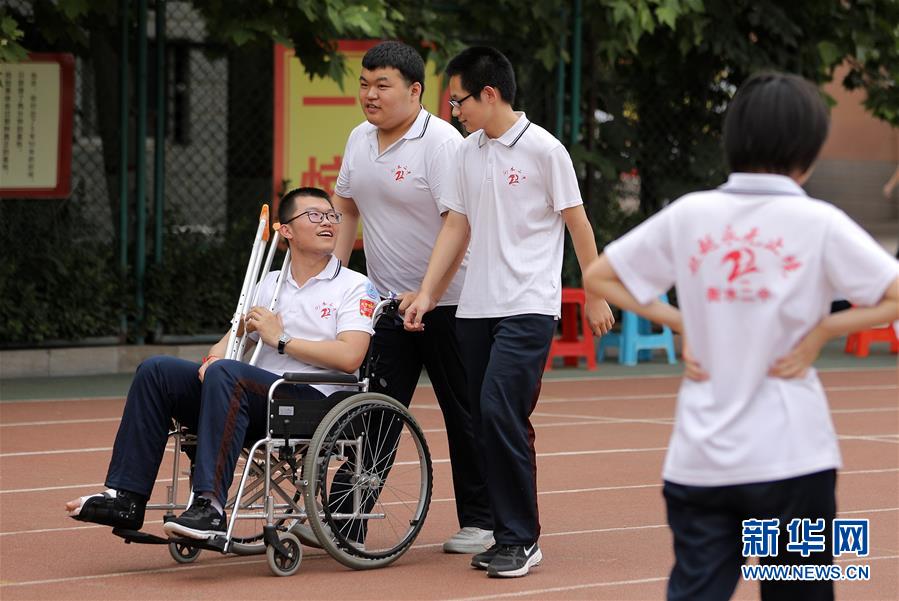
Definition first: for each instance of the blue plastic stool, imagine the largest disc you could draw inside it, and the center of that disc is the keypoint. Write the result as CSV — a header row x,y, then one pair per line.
x,y
636,340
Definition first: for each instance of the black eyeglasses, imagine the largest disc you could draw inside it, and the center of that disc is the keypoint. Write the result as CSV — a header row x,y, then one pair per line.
x,y
317,217
457,103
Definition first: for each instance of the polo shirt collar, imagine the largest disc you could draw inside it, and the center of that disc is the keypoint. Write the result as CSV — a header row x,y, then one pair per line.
x,y
416,130
328,273
512,135
762,184
419,126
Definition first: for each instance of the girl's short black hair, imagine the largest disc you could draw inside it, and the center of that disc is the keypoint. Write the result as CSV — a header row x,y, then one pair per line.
x,y
287,204
399,56
481,66
776,123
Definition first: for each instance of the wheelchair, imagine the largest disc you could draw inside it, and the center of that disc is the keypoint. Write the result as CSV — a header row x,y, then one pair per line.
x,y
350,473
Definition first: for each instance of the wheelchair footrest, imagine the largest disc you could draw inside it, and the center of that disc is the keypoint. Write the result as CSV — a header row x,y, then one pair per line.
x,y
216,543
143,538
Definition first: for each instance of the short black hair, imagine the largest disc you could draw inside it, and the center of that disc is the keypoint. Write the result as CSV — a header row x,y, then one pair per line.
x,y
776,123
287,204
399,56
481,66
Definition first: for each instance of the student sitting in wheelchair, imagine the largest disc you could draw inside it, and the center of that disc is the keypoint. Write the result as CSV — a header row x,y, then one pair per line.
x,y
322,323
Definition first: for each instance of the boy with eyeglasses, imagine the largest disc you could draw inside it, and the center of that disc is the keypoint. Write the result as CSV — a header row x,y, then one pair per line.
x,y
514,191
321,322
392,177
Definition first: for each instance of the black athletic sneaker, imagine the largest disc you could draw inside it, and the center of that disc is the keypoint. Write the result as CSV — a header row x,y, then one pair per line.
x,y
200,521
116,508
483,559
514,560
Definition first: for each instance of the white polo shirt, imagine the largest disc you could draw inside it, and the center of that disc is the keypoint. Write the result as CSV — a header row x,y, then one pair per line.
x,y
756,263
336,300
513,189
399,195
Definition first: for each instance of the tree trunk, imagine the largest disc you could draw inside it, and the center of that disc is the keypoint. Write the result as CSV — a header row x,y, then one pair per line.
x,y
105,61
250,124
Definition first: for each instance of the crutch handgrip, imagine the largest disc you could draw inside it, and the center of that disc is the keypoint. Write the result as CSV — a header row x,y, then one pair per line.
x,y
263,217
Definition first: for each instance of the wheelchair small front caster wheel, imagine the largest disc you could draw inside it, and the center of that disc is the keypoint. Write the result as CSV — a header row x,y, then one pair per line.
x,y
183,553
282,565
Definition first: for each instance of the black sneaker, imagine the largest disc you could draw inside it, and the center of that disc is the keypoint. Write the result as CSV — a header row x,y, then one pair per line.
x,y
514,560
117,508
201,521
483,559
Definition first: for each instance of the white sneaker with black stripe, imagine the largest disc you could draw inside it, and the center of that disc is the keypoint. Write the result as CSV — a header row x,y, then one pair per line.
x,y
201,521
512,561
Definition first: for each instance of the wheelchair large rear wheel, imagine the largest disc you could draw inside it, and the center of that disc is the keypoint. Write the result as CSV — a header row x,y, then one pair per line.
x,y
368,481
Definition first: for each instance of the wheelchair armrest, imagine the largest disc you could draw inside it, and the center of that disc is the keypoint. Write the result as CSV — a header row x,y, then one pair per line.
x,y
329,377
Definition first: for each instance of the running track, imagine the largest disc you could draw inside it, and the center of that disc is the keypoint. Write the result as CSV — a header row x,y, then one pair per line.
x,y
600,445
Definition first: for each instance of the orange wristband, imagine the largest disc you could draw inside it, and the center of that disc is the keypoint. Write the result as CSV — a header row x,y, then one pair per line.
x,y
209,357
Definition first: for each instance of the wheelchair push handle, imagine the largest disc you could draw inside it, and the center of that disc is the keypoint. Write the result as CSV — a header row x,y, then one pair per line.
x,y
387,307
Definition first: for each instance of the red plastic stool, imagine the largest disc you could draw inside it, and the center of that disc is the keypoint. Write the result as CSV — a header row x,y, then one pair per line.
x,y
858,342
570,345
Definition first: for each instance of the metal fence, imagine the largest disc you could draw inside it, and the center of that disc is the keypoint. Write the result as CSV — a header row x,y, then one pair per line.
x,y
70,270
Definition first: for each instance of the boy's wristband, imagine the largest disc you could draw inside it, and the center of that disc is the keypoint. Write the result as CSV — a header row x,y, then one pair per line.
x,y
208,358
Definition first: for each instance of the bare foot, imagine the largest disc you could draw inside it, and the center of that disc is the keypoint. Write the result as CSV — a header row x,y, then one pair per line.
x,y
73,507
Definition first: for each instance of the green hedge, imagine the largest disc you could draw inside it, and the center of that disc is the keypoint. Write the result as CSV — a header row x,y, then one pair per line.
x,y
57,280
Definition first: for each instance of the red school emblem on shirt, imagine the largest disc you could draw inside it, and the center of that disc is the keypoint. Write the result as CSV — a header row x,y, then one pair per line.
x,y
400,172
366,307
745,260
514,176
326,310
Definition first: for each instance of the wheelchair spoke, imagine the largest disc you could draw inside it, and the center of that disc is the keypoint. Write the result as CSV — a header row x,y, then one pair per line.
x,y
353,474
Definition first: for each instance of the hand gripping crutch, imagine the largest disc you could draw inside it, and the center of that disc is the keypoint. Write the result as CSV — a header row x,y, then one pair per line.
x,y
271,306
285,265
261,237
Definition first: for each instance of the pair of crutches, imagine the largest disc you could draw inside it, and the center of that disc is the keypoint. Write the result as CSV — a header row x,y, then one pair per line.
x,y
252,284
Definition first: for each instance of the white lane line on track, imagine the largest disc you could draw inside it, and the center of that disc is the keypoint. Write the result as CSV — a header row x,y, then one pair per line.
x,y
169,449
77,399
867,410
884,438
605,419
57,452
555,400
589,585
452,499
887,438
184,479
66,529
62,422
862,472
561,589
546,398
648,420
75,486
226,563
865,511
